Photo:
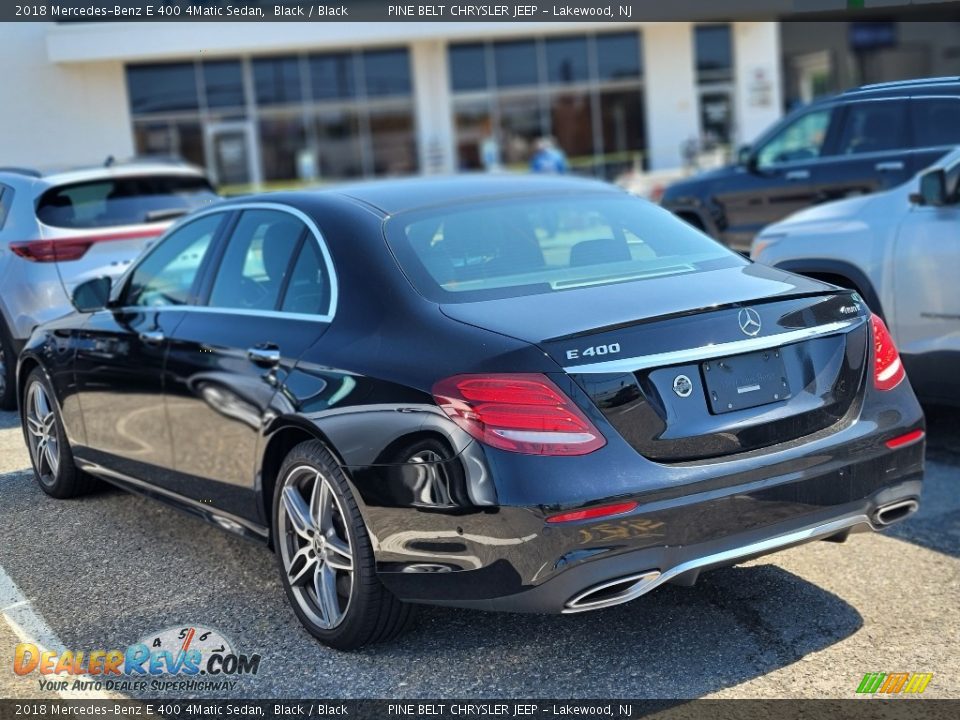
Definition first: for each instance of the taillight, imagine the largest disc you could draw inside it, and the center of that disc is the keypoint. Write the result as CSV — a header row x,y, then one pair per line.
x,y
522,413
888,369
72,248
51,250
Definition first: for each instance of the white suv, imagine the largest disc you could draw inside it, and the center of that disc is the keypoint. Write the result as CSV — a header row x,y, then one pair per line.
x,y
60,229
900,249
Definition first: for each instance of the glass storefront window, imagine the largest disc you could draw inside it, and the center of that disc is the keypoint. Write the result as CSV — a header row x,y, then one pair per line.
x,y
567,60
713,48
173,139
282,140
277,80
473,124
468,67
618,56
622,130
520,126
516,63
392,141
338,150
387,72
332,76
223,84
572,124
524,102
162,88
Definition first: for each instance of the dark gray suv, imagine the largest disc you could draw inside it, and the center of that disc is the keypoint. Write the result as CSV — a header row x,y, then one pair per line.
x,y
871,138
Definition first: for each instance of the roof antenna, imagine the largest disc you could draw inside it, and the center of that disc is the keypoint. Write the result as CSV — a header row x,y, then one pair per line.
x,y
109,161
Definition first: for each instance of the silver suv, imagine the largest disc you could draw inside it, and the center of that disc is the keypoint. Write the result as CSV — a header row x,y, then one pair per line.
x,y
58,230
900,249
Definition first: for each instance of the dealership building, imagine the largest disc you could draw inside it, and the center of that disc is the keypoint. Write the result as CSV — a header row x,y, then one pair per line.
x,y
271,103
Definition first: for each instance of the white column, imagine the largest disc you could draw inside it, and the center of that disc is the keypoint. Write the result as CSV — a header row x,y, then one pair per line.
x,y
671,100
59,115
758,92
433,106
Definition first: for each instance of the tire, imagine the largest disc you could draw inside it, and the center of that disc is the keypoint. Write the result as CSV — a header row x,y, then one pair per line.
x,y
8,370
356,609
50,453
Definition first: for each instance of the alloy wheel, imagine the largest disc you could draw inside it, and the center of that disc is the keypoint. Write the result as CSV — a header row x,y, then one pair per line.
x,y
43,434
315,546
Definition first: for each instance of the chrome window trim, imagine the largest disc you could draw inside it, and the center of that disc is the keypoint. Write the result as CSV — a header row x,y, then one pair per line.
x,y
708,352
240,207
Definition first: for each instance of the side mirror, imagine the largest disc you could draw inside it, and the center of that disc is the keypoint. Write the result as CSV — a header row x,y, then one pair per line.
x,y
933,189
747,157
93,294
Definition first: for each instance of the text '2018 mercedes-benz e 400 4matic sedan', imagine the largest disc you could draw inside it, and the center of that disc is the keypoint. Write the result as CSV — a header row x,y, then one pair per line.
x,y
523,394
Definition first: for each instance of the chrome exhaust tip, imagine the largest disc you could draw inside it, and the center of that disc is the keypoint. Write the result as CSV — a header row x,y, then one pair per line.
x,y
613,592
889,514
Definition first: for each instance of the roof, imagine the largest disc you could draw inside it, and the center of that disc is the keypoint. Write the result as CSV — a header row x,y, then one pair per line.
x,y
393,196
99,172
917,86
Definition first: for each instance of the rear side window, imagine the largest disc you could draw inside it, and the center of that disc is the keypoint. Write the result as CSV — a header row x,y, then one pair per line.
x,y
257,260
936,121
508,248
122,201
873,127
309,289
167,274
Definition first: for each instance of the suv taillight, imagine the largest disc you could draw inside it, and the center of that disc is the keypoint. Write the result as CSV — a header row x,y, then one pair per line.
x,y
72,248
519,412
51,250
888,369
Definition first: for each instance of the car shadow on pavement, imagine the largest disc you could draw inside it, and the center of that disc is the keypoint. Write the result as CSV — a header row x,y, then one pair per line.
x,y
677,642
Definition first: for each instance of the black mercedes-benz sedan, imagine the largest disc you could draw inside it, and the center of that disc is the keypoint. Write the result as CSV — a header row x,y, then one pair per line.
x,y
502,393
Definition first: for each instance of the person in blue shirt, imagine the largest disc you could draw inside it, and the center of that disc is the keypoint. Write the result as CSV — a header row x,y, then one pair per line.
x,y
548,158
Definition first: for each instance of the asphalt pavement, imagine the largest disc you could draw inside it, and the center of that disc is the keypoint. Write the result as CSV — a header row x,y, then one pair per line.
x,y
102,571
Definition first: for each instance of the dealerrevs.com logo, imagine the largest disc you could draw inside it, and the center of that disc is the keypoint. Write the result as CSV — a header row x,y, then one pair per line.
x,y
198,658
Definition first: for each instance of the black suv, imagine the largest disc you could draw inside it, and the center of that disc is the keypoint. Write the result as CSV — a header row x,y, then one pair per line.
x,y
871,138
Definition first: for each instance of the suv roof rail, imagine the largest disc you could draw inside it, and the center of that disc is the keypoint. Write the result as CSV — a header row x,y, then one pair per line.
x,y
29,172
143,159
908,83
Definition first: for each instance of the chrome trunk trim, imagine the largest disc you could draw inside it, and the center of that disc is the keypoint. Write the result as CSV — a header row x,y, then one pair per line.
x,y
708,352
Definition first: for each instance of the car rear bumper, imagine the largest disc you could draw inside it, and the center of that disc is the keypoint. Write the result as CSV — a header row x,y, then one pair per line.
x,y
593,564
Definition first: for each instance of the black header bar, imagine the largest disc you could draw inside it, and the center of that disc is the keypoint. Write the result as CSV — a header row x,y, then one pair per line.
x,y
469,11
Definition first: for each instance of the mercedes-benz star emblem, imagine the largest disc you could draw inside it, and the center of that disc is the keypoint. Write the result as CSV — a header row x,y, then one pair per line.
x,y
749,321
682,386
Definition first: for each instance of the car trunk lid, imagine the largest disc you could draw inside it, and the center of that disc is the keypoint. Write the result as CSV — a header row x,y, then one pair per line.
x,y
731,361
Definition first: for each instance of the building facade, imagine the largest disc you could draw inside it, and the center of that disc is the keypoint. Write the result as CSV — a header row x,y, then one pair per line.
x,y
279,103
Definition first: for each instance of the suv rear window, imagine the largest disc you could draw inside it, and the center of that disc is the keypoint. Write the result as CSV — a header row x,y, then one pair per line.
x,y
542,244
122,200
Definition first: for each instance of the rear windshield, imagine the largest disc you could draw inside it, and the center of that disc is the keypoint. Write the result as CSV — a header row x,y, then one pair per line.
x,y
122,200
524,246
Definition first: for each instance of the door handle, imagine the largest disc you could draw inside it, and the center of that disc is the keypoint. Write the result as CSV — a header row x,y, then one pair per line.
x,y
264,355
889,166
152,337
798,175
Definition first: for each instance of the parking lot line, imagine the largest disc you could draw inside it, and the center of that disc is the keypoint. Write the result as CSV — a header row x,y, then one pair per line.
x,y
30,627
